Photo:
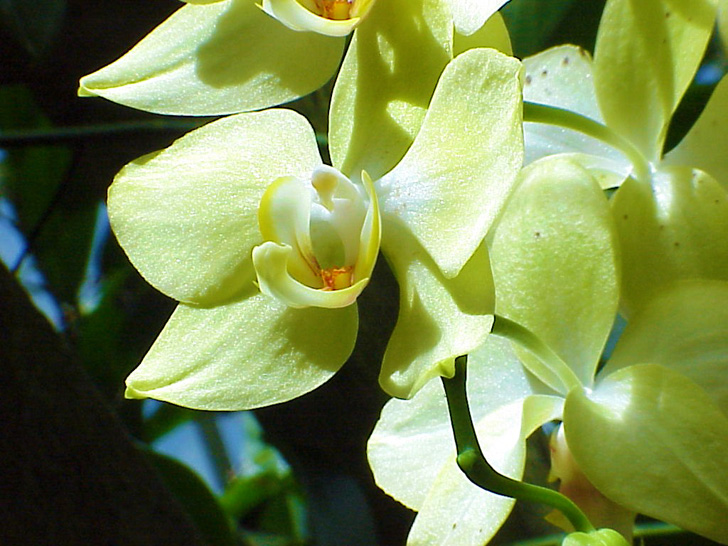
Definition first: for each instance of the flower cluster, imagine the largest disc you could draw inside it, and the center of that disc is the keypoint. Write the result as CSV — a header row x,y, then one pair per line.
x,y
519,233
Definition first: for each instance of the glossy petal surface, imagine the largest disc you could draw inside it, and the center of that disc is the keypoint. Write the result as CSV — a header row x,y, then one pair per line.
x,y
187,216
439,319
674,228
412,451
554,263
217,58
455,178
684,328
705,144
493,34
652,440
246,354
562,77
646,54
385,84
470,15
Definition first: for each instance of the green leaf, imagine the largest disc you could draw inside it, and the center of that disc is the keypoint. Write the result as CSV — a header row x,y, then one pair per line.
x,y
33,24
653,441
555,263
217,58
646,54
252,352
188,216
674,228
531,22
199,502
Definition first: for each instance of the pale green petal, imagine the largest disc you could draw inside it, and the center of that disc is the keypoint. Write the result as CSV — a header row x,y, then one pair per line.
x,y
677,228
413,438
455,178
684,328
653,441
456,512
187,217
246,354
439,319
705,144
493,34
555,262
562,77
470,15
386,82
217,58
647,52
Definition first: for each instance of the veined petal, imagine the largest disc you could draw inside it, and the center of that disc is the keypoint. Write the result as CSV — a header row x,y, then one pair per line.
x,y
646,54
439,319
705,144
653,441
492,34
684,328
455,178
250,353
458,512
413,440
217,58
271,261
554,262
674,228
470,15
187,216
386,82
562,77
296,17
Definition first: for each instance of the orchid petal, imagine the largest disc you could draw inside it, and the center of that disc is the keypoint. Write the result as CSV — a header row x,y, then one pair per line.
x,y
492,34
684,328
653,441
646,54
455,178
386,82
562,77
554,256
470,15
249,353
412,452
217,58
187,216
439,319
705,144
674,228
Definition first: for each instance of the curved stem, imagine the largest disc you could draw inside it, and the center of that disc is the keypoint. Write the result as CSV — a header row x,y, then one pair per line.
x,y
472,462
551,115
513,331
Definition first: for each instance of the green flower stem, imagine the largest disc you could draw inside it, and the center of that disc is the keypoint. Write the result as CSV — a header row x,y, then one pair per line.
x,y
473,463
513,331
541,113
61,135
